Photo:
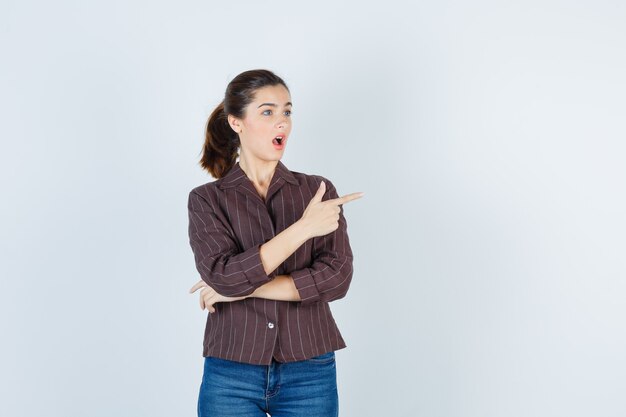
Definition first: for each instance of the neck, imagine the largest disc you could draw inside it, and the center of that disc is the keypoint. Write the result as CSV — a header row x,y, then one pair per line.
x,y
258,171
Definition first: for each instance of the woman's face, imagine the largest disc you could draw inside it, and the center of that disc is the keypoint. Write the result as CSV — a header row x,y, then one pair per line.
x,y
266,117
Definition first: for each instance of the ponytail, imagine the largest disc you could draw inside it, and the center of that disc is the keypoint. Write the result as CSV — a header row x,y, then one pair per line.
x,y
221,143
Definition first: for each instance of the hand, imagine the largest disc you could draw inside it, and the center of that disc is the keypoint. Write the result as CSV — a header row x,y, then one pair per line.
x,y
322,217
208,296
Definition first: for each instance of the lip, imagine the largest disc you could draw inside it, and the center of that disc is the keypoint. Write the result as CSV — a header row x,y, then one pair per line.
x,y
283,142
282,135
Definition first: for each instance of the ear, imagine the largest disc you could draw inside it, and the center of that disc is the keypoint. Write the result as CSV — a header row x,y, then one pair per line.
x,y
234,123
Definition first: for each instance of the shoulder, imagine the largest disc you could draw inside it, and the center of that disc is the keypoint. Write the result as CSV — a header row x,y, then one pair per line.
x,y
204,189
311,182
204,194
310,179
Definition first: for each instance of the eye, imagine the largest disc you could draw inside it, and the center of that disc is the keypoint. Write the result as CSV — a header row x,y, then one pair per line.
x,y
288,112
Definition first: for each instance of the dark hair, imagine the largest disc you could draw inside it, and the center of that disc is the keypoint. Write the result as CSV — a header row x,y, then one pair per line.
x,y
221,144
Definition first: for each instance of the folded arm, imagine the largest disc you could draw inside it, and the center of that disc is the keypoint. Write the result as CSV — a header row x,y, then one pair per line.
x,y
329,275
220,263
250,273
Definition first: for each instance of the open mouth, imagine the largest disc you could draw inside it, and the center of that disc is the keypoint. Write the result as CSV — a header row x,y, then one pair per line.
x,y
278,140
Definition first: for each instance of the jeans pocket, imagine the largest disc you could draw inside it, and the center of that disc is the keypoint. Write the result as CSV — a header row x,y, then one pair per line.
x,y
324,358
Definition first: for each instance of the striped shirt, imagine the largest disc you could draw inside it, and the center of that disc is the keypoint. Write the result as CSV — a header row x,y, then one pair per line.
x,y
228,223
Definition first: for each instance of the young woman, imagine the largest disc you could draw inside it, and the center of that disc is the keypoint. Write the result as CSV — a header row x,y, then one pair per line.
x,y
272,249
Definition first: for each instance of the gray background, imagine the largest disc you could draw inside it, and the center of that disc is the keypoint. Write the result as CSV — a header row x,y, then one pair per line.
x,y
489,246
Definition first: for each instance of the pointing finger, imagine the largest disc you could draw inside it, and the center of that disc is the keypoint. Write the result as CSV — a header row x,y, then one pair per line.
x,y
346,198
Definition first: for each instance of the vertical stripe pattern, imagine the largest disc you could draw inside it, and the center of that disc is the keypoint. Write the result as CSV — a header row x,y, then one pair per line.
x,y
228,223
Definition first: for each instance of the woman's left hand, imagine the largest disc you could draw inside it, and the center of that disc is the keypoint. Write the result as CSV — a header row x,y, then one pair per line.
x,y
208,296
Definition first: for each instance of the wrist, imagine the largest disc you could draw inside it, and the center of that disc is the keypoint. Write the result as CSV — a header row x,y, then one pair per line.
x,y
302,230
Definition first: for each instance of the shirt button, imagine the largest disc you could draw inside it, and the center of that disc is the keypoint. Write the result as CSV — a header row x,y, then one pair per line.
x,y
270,325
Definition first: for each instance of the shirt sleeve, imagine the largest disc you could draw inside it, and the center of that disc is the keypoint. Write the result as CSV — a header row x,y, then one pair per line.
x,y
220,262
328,277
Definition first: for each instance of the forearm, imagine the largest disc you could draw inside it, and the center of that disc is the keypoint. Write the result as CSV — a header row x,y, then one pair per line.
x,y
281,288
275,251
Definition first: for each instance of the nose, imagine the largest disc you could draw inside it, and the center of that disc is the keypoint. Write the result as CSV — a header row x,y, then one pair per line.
x,y
283,122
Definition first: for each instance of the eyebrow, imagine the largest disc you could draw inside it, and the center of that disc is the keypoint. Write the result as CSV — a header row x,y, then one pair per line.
x,y
274,104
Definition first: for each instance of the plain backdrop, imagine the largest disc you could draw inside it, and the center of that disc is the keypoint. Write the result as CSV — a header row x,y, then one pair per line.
x,y
488,137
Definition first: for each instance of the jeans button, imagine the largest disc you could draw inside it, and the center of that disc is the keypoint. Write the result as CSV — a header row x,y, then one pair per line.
x,y
270,325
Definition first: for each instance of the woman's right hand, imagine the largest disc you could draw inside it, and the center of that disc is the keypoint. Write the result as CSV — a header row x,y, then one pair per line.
x,y
322,217
208,296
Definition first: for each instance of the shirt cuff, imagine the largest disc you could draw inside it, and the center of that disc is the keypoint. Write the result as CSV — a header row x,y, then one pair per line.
x,y
305,285
253,267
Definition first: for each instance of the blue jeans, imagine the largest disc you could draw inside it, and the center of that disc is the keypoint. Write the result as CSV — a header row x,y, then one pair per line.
x,y
294,389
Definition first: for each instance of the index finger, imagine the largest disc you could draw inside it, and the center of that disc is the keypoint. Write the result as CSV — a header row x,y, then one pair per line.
x,y
197,285
346,198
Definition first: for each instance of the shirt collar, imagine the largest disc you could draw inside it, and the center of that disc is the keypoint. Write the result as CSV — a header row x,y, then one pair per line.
x,y
236,176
